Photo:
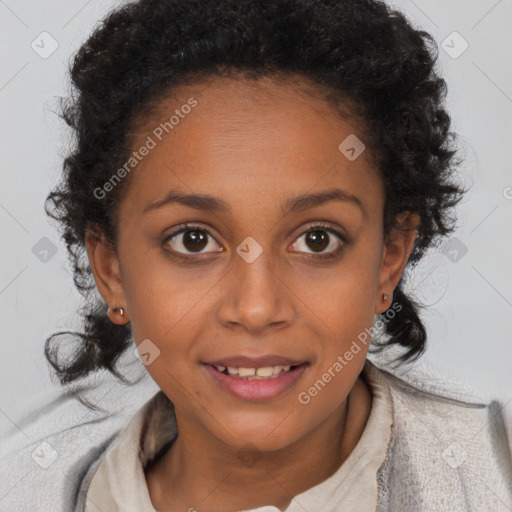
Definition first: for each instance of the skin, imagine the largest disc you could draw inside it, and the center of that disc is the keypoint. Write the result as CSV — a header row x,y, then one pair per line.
x,y
254,145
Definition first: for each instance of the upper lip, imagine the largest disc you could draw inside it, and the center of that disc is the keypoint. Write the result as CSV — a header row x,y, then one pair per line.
x,y
255,362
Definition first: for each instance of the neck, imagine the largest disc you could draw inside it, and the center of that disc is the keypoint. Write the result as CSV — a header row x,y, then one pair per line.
x,y
199,469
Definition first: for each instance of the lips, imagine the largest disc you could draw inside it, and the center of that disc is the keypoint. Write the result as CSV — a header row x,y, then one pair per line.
x,y
255,362
255,388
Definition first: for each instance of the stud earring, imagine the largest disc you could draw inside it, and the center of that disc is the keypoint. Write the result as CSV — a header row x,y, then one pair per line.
x,y
120,311
385,297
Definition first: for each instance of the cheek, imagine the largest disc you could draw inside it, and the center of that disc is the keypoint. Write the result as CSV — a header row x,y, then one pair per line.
x,y
346,307
160,294
347,297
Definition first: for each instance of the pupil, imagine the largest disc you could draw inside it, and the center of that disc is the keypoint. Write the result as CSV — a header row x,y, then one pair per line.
x,y
194,240
317,240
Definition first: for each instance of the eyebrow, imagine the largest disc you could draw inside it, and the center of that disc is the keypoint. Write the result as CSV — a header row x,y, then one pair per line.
x,y
294,204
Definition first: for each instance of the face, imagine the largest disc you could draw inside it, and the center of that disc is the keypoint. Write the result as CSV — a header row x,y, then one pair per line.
x,y
284,264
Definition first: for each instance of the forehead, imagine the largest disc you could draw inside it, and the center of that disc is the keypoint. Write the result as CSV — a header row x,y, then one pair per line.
x,y
261,108
244,138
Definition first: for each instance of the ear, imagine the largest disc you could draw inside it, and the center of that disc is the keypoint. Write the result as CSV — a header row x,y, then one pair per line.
x,y
397,248
107,274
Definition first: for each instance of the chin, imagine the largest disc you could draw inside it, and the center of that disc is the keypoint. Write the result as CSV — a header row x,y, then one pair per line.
x,y
258,436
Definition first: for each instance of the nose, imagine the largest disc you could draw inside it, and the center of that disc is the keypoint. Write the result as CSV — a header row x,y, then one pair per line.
x,y
256,296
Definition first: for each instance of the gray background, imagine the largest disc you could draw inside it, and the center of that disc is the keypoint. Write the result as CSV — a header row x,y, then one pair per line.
x,y
470,318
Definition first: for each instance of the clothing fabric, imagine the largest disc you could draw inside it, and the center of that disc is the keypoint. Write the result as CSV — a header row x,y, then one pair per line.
x,y
449,449
119,484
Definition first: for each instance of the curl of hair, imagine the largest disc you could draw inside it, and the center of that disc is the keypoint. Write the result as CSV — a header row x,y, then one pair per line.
x,y
359,52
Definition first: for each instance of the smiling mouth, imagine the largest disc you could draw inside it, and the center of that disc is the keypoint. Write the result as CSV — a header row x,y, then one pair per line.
x,y
256,379
261,373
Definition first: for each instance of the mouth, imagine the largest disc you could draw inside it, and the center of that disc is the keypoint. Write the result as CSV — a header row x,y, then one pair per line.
x,y
261,373
256,379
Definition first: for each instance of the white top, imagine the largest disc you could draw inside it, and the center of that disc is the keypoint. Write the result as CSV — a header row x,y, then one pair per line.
x,y
119,484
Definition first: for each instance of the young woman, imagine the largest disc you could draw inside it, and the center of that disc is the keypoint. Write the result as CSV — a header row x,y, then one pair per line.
x,y
249,181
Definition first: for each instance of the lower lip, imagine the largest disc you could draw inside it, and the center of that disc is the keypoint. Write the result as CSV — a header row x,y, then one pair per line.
x,y
256,389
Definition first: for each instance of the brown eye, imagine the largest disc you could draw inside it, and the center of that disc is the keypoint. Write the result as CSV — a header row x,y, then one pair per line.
x,y
321,240
194,240
191,240
318,240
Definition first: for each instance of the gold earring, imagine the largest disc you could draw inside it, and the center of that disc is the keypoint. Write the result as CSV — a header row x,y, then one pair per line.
x,y
119,310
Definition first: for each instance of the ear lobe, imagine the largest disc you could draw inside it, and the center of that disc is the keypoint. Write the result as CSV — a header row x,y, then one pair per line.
x,y
105,267
398,246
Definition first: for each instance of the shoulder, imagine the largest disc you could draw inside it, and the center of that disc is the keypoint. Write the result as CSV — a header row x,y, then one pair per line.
x,y
450,447
46,455
438,400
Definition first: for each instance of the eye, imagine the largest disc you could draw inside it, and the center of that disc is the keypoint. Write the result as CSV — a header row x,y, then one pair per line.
x,y
319,238
194,239
191,238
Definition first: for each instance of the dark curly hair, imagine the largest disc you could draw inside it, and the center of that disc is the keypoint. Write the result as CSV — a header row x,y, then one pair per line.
x,y
362,52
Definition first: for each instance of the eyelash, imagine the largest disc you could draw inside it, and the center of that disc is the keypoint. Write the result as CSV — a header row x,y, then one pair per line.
x,y
320,226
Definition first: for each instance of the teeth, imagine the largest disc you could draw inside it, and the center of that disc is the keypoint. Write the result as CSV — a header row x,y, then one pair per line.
x,y
264,372
246,372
